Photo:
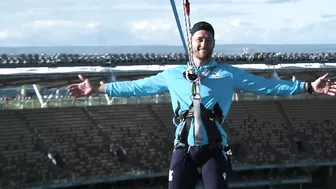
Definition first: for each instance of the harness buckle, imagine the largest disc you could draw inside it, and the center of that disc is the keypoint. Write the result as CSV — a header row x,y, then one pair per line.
x,y
190,76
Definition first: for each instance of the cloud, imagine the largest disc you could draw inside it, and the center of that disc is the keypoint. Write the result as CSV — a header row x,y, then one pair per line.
x,y
154,30
143,22
328,15
65,32
60,24
7,34
275,1
4,34
255,1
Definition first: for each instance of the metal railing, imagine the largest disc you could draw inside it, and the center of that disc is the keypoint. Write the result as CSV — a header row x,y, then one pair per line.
x,y
61,101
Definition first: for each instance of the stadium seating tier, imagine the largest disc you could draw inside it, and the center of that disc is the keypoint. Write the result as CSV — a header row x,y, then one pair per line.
x,y
135,139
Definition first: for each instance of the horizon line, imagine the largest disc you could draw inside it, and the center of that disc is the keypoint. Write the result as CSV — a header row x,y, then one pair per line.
x,y
155,45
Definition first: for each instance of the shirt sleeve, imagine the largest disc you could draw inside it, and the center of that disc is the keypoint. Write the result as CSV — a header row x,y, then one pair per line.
x,y
141,87
248,82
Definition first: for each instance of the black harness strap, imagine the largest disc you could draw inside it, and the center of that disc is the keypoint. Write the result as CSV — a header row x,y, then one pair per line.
x,y
209,119
177,109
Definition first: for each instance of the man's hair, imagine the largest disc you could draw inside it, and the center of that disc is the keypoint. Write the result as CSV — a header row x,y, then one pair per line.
x,y
202,25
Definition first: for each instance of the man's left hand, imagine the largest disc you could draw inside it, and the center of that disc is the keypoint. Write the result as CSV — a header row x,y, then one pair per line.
x,y
324,86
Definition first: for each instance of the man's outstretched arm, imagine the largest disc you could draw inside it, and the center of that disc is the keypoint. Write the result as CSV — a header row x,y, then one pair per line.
x,y
259,85
141,87
248,82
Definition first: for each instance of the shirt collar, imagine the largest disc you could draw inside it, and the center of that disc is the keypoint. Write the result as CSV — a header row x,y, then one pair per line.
x,y
212,63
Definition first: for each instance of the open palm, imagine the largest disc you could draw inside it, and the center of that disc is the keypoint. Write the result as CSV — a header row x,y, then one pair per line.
x,y
84,88
324,86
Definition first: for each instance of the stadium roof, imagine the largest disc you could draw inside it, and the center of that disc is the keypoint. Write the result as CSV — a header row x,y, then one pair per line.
x,y
56,70
113,60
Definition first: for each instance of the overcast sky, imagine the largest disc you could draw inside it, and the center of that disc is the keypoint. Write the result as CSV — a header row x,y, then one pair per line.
x,y
151,22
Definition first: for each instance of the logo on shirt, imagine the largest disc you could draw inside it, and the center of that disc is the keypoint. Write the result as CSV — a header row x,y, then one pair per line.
x,y
216,75
170,177
224,176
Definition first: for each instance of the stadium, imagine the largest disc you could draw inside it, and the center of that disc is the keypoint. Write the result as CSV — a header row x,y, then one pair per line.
x,y
50,140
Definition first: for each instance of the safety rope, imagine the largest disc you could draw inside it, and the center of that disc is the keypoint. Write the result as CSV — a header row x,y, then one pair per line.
x,y
186,14
190,76
178,23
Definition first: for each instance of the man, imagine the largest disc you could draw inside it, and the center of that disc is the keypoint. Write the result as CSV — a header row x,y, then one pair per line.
x,y
217,85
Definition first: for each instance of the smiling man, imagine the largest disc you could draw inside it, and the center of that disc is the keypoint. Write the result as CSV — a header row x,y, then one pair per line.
x,y
203,43
200,138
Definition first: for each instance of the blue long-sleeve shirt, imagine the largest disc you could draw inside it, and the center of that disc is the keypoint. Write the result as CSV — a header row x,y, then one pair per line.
x,y
218,86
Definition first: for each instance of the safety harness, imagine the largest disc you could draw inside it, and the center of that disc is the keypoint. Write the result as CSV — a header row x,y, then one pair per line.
x,y
208,118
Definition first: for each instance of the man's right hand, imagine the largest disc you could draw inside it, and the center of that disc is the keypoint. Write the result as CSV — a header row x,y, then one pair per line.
x,y
85,88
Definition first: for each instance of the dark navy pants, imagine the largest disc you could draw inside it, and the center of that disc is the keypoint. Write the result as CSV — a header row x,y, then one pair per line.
x,y
184,168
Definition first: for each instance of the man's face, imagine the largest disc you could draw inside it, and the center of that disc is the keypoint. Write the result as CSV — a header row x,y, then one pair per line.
x,y
202,44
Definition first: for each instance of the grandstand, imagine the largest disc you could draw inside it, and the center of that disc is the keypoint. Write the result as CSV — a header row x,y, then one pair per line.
x,y
50,140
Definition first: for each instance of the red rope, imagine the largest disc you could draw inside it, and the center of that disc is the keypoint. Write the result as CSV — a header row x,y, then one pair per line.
x,y
187,7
